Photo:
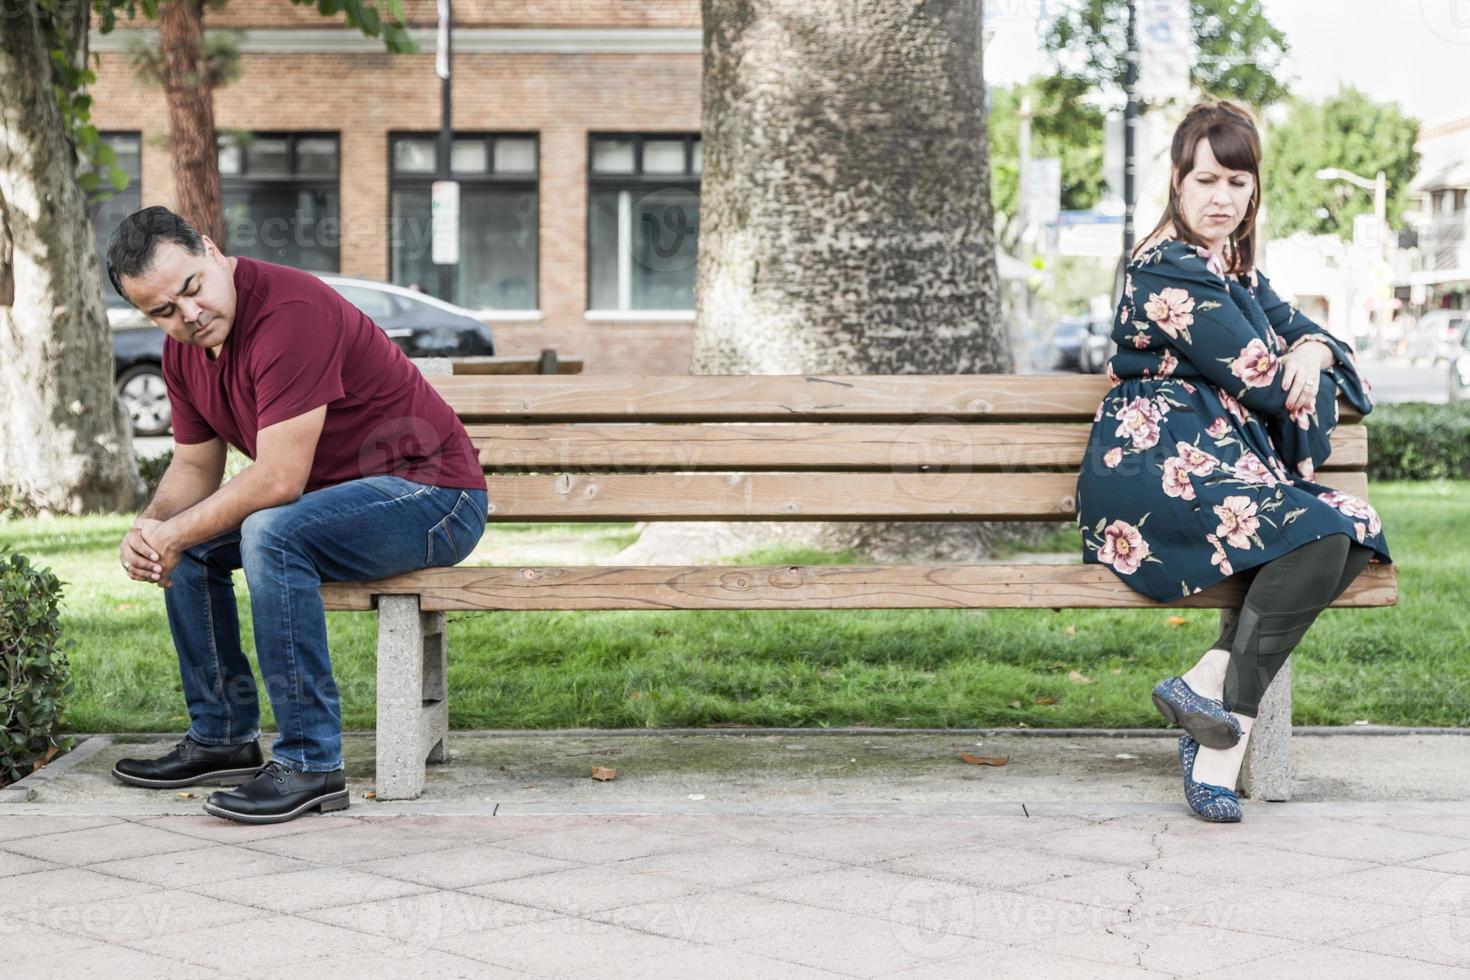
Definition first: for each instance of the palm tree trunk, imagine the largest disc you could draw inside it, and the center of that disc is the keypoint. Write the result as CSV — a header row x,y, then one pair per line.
x,y
190,99
845,215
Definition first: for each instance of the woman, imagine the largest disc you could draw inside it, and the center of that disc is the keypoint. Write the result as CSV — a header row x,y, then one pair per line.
x,y
1202,456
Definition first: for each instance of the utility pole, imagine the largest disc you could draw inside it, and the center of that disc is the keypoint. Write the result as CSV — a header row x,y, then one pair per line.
x,y
1023,208
444,68
1130,123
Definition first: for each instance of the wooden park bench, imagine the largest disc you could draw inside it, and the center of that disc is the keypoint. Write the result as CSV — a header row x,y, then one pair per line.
x,y
546,362
765,448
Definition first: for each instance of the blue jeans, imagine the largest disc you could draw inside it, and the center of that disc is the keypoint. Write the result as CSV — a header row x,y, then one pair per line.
x,y
350,532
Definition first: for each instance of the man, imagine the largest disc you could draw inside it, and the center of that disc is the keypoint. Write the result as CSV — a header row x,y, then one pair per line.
x,y
359,470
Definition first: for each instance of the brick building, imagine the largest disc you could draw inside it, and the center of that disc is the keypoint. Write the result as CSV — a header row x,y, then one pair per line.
x,y
576,148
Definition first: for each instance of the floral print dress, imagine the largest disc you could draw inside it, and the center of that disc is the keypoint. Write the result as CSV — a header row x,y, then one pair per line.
x,y
1194,469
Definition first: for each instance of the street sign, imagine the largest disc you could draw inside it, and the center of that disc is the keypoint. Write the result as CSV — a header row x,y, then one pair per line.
x,y
1365,231
1165,50
1043,190
444,216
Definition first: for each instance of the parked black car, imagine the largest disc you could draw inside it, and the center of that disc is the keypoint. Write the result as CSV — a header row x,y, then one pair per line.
x,y
137,369
420,325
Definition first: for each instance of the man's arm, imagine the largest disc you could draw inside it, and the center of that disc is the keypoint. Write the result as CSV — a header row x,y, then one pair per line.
x,y
284,454
195,472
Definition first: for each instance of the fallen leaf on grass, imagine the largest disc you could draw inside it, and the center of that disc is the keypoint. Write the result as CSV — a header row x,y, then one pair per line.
x,y
984,760
1015,704
602,774
1176,621
1046,699
1077,677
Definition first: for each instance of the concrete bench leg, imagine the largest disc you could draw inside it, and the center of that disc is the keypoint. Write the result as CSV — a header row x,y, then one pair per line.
x,y
413,705
1266,772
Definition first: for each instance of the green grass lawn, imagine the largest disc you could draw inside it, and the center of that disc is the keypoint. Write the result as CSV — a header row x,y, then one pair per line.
x,y
1402,665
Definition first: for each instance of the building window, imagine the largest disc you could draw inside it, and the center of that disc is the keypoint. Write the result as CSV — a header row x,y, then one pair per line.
x,y
498,217
127,149
642,221
281,198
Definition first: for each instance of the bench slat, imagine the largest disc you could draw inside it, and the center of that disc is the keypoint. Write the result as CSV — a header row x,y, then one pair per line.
x,y
826,447
1032,586
799,496
779,398
513,364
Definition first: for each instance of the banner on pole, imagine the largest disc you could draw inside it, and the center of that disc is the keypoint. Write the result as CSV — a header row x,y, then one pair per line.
x,y
1165,50
444,218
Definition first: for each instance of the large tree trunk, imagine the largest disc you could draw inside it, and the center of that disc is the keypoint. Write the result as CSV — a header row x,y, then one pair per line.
x,y
184,72
845,219
65,445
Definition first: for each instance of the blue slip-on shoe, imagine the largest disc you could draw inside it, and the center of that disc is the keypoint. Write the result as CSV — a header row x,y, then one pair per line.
x,y
1214,803
1205,719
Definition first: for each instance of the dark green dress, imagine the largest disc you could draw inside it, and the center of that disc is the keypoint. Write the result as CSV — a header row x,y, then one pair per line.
x,y
1195,470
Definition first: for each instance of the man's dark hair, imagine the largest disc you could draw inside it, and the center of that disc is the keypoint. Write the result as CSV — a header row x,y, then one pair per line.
x,y
130,250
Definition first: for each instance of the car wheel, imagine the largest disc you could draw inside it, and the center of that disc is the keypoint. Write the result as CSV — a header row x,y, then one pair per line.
x,y
145,397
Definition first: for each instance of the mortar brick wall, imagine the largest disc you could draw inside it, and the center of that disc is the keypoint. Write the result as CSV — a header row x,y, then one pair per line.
x,y
477,13
363,96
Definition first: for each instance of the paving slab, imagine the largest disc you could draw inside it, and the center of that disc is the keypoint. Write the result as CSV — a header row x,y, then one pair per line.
x,y
781,854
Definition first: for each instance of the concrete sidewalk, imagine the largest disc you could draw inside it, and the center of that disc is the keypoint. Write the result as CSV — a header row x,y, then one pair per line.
x,y
759,856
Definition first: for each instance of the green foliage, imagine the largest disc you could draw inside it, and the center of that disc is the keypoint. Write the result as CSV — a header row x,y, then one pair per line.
x,y
1239,52
100,177
1087,43
34,674
1419,441
221,58
152,468
1061,126
366,18
1349,131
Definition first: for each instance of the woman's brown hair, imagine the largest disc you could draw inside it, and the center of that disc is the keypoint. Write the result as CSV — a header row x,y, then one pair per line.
x,y
1237,145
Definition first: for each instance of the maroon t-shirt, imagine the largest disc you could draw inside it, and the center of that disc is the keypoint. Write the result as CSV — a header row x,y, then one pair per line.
x,y
296,345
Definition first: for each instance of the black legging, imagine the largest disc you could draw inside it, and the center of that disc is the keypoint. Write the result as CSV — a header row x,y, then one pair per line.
x,y
1284,599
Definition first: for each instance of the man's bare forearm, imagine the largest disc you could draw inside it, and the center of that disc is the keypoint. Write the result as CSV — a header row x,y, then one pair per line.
x,y
256,488
183,485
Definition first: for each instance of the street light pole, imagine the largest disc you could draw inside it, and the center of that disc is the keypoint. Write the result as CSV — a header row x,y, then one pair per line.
x,y
1130,124
1378,187
444,68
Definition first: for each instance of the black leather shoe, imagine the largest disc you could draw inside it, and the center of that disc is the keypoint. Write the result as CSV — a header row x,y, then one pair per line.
x,y
192,762
279,793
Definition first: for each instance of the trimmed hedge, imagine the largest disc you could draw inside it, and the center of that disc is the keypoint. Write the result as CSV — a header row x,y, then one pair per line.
x,y
35,678
1419,441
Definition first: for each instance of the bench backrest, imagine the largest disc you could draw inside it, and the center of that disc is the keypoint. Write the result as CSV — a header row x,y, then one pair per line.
x,y
794,448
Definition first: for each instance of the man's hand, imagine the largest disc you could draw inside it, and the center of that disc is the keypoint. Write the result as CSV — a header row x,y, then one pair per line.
x,y
139,557
161,542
